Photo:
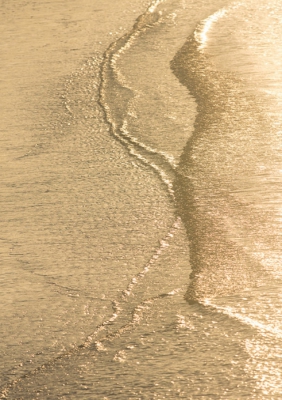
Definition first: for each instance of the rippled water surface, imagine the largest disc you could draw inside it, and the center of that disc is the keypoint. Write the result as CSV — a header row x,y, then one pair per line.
x,y
141,199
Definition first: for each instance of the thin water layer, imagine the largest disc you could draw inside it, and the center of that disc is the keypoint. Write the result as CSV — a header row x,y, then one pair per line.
x,y
75,234
153,162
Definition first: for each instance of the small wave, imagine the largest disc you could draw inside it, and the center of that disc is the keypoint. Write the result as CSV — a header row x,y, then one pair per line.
x,y
203,28
229,141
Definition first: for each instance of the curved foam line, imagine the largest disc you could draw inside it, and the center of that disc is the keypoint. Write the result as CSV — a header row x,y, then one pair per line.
x,y
121,133
164,243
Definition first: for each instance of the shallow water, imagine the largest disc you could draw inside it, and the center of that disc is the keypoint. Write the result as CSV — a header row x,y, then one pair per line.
x,y
140,182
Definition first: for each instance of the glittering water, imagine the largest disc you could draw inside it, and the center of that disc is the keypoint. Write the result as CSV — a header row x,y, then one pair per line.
x,y
140,192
